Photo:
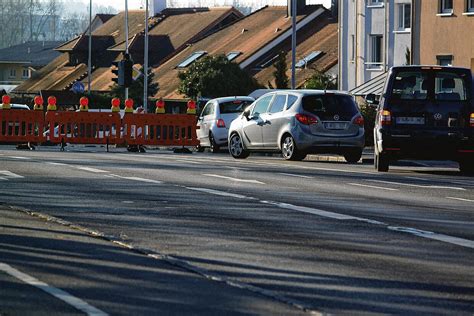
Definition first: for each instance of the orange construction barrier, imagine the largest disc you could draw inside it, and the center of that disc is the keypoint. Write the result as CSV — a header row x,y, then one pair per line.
x,y
21,126
160,130
84,127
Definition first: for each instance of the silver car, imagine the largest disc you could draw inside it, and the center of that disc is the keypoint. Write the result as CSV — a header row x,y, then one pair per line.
x,y
215,120
299,122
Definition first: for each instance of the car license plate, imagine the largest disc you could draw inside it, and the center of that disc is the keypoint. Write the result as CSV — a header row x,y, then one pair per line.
x,y
335,125
410,120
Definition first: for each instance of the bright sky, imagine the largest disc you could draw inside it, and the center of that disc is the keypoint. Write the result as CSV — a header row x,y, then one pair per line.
x,y
136,4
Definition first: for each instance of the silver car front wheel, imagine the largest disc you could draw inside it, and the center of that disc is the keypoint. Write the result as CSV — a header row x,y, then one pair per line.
x,y
236,147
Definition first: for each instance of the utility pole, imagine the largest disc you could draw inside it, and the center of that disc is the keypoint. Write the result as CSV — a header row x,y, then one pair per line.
x,y
126,38
145,66
89,62
293,44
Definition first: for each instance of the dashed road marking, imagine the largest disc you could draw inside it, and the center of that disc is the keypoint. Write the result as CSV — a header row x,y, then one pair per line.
x,y
58,293
459,199
431,235
56,163
295,175
221,193
91,169
8,174
233,179
21,158
372,187
136,179
419,185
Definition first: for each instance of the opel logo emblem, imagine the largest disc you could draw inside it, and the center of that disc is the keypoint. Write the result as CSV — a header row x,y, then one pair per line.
x,y
438,116
336,117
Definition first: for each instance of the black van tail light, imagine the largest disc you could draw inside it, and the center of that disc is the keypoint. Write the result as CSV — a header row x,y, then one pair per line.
x,y
359,121
220,123
471,120
306,119
386,118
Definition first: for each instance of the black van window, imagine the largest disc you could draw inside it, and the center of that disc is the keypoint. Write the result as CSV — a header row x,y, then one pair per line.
x,y
410,85
328,105
450,86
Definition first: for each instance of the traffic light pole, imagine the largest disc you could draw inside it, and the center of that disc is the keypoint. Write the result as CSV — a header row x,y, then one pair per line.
x,y
126,38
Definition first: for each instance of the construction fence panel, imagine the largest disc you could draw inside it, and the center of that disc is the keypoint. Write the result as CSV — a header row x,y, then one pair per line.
x,y
84,127
160,130
21,126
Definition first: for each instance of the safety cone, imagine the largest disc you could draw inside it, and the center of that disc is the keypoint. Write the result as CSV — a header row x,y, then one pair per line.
x,y
38,103
52,104
5,103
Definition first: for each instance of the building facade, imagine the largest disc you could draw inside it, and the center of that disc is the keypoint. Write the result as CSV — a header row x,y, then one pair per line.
x,y
443,33
374,35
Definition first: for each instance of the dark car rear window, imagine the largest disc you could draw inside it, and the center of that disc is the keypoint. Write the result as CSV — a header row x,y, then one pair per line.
x,y
236,106
445,85
326,106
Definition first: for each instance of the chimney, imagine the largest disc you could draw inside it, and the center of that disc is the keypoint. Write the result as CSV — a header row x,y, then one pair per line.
x,y
300,4
157,6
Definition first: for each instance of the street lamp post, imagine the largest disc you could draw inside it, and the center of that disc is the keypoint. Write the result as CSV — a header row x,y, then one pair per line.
x,y
126,38
293,44
145,66
89,62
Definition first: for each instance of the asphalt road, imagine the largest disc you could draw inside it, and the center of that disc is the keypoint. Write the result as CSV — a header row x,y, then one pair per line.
x,y
257,236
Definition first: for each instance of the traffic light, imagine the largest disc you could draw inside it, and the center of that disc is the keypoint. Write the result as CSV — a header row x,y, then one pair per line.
x,y
127,64
116,71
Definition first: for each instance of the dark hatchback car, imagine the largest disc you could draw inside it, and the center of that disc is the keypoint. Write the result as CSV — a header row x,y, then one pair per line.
x,y
425,112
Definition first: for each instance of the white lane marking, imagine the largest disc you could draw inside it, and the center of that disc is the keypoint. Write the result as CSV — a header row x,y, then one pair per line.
x,y
459,199
420,233
91,169
18,157
58,293
3,179
372,187
232,179
431,235
322,213
187,161
128,202
56,163
416,178
137,179
221,193
419,185
295,175
237,168
9,174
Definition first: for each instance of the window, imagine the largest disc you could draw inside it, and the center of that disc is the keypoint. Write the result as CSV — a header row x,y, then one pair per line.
x,y
291,100
12,73
278,104
404,16
188,61
450,87
352,47
26,73
262,105
446,6
375,51
375,2
445,60
236,106
410,86
325,106
308,59
232,55
208,109
470,6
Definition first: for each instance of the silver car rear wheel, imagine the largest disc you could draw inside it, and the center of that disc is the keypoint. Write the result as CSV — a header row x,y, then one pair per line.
x,y
289,150
236,147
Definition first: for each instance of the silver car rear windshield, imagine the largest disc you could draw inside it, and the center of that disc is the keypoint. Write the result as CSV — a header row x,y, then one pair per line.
x,y
330,104
236,106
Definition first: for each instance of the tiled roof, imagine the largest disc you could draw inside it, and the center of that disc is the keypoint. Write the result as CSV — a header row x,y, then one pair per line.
x,y
247,36
34,54
113,29
320,35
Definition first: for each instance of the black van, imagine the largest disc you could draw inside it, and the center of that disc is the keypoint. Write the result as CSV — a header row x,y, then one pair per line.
x,y
425,112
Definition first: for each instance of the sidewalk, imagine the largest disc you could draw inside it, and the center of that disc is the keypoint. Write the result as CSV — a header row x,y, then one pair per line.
x,y
367,157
